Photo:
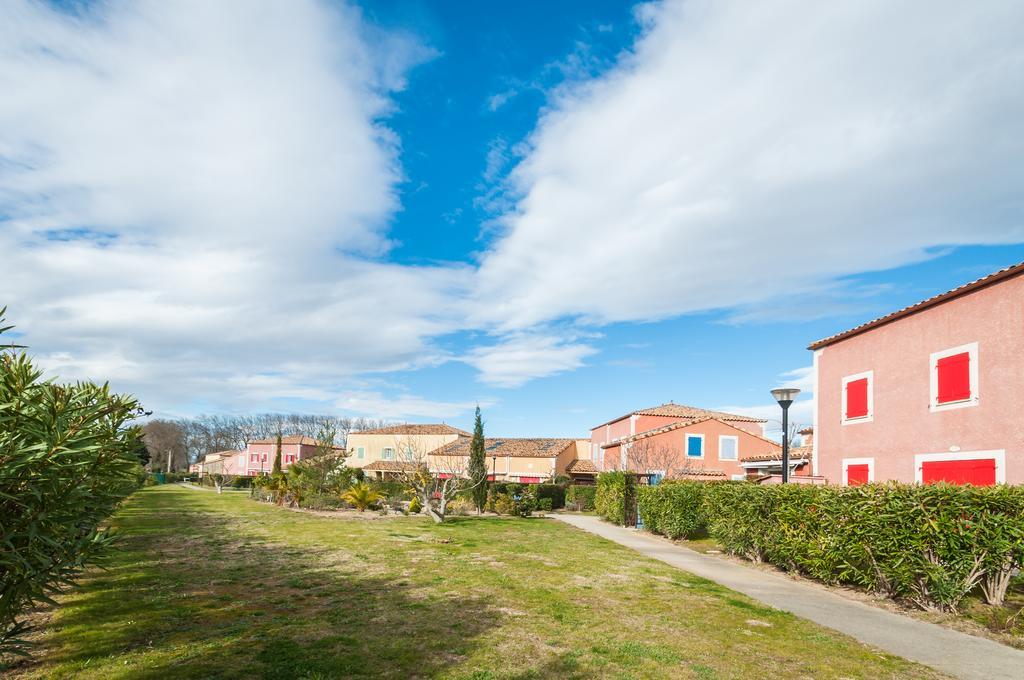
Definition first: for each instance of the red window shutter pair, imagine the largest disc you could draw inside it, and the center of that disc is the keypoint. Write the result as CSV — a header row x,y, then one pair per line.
x,y
857,398
981,472
954,378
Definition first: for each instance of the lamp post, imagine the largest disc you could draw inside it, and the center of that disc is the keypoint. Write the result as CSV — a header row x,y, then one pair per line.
x,y
785,397
494,468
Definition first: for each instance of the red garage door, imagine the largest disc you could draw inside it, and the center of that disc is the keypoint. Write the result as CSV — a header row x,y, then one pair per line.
x,y
857,474
981,471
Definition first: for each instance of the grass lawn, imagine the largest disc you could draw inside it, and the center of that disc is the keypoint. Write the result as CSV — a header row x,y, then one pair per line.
x,y
203,585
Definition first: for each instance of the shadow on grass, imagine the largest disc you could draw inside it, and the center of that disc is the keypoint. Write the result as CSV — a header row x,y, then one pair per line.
x,y
187,595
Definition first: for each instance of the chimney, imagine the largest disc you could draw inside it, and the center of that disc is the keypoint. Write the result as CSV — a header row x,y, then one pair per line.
x,y
807,436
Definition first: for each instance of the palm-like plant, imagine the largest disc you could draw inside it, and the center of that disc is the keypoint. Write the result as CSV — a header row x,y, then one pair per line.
x,y
360,496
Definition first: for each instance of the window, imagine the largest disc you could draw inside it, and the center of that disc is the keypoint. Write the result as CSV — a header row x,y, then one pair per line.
x,y
857,471
858,397
982,468
387,454
254,457
954,377
360,452
694,446
264,456
289,458
728,447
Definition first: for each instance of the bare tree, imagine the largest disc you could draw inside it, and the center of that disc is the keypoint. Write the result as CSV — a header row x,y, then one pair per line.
x,y
165,441
647,455
433,476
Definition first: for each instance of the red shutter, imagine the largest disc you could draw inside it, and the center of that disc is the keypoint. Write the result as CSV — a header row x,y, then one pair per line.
x,y
857,474
857,398
981,472
954,378
529,480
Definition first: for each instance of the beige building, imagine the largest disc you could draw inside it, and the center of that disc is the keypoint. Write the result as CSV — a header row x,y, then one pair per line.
x,y
398,443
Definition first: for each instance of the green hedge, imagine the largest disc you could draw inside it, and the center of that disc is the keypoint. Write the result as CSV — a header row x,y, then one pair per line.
x,y
554,492
931,545
610,497
579,497
675,509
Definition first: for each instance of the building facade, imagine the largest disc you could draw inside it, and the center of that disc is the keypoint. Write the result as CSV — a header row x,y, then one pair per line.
x,y
932,392
399,443
671,438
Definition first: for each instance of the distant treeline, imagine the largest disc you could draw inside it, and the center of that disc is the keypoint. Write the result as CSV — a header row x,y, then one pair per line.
x,y
187,440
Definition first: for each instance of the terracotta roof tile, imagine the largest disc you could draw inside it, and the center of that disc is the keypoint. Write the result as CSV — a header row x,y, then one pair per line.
x,y
581,466
290,439
795,453
415,428
503,447
390,466
705,474
994,277
673,410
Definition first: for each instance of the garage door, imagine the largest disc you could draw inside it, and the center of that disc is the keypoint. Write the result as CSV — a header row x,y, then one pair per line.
x,y
981,471
857,474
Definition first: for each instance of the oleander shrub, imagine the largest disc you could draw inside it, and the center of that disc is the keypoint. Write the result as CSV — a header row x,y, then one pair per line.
x,y
553,492
610,498
580,498
673,509
67,460
930,545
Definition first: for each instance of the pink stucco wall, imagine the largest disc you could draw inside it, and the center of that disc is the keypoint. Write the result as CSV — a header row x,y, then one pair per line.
x,y
635,424
674,441
902,423
260,450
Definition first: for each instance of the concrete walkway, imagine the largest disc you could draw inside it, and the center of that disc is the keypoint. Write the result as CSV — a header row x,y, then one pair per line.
x,y
958,654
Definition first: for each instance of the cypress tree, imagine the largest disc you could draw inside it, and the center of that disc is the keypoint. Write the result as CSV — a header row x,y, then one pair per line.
x,y
277,455
478,464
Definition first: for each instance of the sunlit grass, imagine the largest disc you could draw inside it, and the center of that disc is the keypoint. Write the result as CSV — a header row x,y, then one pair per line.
x,y
220,586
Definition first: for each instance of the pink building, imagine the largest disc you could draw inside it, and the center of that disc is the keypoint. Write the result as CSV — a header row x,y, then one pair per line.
x,y
679,441
259,454
932,392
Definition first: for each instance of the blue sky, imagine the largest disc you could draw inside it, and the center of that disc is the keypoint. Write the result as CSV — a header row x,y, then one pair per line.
x,y
402,209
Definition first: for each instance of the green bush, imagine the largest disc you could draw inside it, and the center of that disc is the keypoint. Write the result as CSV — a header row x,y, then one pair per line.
x,y
544,504
393,491
674,509
241,482
315,501
579,497
553,492
415,506
610,497
931,545
67,459
501,503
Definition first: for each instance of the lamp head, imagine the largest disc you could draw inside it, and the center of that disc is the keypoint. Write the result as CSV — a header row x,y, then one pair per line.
x,y
785,395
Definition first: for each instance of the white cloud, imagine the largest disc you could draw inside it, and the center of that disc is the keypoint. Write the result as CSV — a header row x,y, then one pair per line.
x,y
519,358
405,406
741,153
185,187
801,412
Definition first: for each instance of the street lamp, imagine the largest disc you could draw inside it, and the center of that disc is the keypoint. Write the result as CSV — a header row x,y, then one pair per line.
x,y
785,397
494,468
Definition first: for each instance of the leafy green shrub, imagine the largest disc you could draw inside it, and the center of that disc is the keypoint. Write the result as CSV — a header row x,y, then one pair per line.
x,y
316,501
393,491
553,492
241,482
544,504
674,509
501,503
67,459
579,497
930,544
610,498
461,505
415,506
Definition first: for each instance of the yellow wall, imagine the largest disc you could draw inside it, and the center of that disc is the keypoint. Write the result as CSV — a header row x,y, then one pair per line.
x,y
373,446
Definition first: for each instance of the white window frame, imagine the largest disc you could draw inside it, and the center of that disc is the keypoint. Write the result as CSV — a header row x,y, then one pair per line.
x,y
686,446
999,455
934,406
870,375
387,453
736,439
847,462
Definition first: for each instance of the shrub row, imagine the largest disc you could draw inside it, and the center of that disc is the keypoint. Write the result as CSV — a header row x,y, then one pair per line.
x,y
931,545
610,496
674,509
578,497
